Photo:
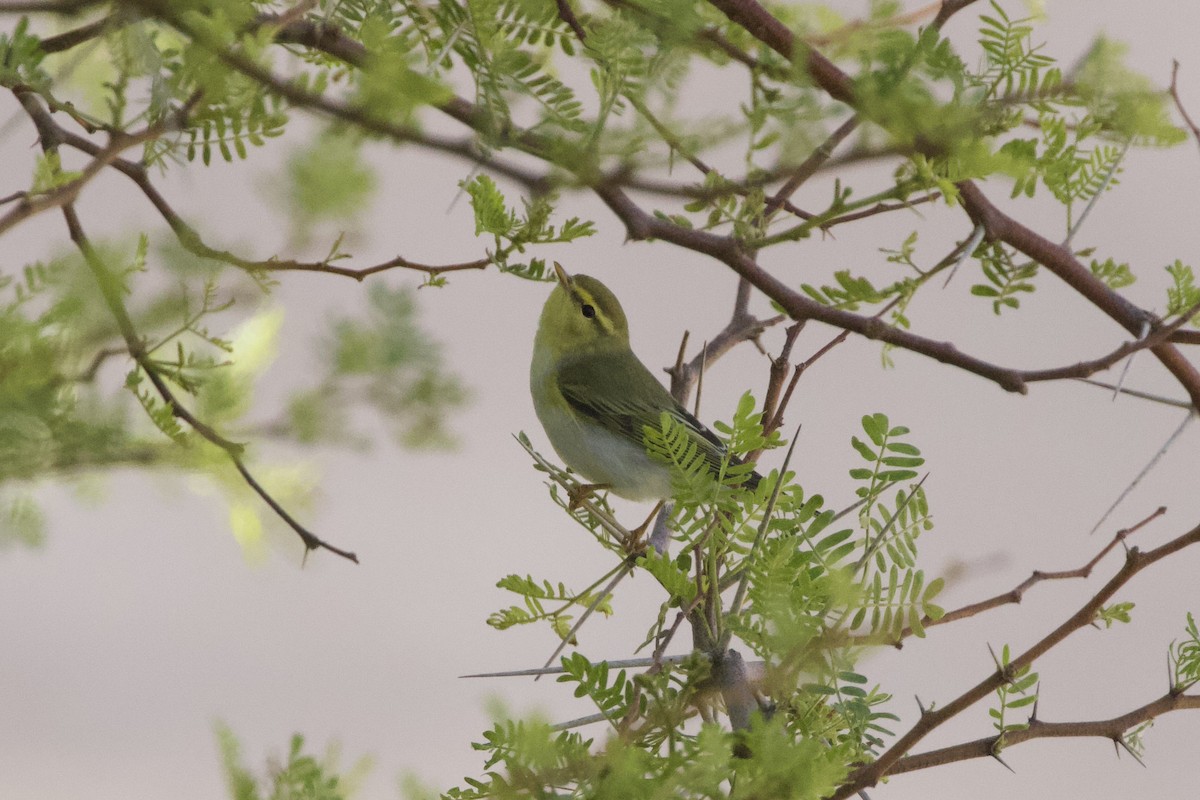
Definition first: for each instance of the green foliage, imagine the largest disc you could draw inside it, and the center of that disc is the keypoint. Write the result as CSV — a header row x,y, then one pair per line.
x,y
891,460
535,596
1123,102
21,58
1006,280
385,361
673,575
54,419
1115,613
48,174
1182,295
848,294
512,232
808,585
1014,63
1012,696
230,128
611,697
1114,275
21,521
299,777
1184,658
896,596
62,411
329,180
674,443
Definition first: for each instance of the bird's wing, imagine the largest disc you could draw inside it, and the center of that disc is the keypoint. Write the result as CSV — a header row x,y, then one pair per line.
x,y
611,402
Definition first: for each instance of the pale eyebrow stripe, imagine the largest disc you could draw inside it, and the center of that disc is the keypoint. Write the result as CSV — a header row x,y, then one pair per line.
x,y
583,297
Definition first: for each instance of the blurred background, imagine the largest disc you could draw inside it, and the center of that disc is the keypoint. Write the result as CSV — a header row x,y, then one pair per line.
x,y
141,623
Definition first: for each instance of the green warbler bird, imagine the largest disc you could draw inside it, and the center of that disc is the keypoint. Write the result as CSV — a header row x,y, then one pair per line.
x,y
594,397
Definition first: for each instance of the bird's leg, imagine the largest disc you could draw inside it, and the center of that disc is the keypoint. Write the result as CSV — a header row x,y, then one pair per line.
x,y
635,543
582,491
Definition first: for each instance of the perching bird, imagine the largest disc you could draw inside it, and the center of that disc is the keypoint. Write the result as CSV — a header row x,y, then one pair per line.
x,y
594,397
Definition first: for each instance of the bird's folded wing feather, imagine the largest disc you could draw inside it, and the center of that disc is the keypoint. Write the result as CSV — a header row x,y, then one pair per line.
x,y
627,399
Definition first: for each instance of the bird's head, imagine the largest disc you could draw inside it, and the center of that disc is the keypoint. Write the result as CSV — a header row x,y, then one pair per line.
x,y
581,315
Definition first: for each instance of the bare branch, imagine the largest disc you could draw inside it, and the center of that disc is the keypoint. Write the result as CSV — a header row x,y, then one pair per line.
x,y
742,326
51,135
191,241
1017,593
136,346
1135,561
1179,103
1062,262
46,6
1113,729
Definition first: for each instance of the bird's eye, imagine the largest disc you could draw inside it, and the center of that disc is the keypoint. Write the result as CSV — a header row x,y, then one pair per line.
x,y
588,310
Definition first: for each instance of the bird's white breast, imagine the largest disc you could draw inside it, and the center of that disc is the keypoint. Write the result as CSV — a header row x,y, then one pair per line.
x,y
599,455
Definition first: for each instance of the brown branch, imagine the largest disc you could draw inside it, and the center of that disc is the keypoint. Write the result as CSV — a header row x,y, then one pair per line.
x,y
623,178
110,290
949,8
89,373
77,36
1085,369
1058,259
51,134
46,6
567,15
137,350
1017,593
1135,562
880,208
762,25
317,35
640,225
1112,729
810,166
1179,103
191,241
742,327
1185,337
1062,262
329,39
774,399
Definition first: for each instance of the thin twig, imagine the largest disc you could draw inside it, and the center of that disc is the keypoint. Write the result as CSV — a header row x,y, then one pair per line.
x,y
1179,103
1162,451
623,570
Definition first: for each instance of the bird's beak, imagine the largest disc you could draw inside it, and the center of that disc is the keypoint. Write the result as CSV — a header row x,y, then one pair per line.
x,y
563,278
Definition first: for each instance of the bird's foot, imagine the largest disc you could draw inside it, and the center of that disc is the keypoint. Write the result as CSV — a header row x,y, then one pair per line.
x,y
636,543
577,494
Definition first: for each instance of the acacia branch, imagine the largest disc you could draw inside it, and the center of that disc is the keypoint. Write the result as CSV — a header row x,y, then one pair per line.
x,y
1135,561
1187,118
51,133
137,350
1112,729
67,7
742,326
1062,262
111,291
641,225
189,238
1017,593
760,23
1085,369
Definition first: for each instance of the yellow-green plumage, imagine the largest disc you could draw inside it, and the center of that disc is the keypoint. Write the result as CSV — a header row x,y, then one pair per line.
x,y
594,397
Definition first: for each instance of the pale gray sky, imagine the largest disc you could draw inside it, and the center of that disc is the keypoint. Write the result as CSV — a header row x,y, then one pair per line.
x,y
140,624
